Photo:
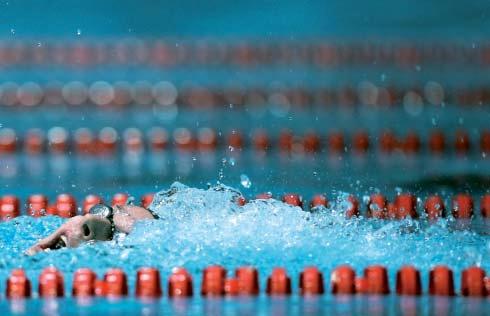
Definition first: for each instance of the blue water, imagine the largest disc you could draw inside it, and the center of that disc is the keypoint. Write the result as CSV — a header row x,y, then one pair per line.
x,y
201,227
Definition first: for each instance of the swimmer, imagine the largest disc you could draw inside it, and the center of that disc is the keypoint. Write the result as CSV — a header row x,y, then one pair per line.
x,y
104,223
100,224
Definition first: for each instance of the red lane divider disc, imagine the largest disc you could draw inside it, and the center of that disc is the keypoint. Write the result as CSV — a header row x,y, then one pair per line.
x,y
183,139
473,282
133,140
319,200
235,140
213,281
51,283
83,283
434,207
377,280
58,140
158,138
462,206
311,281
147,199
180,283
462,142
377,206
408,281
248,280
485,206
9,207
116,284
107,140
84,141
361,284
311,143
360,142
411,143
34,141
119,199
260,140
18,285
343,281
232,287
241,201
207,139
406,205
278,283
353,207
437,142
37,205
66,205
485,142
148,283
8,141
264,196
387,142
100,288
89,201
336,144
293,199
285,141
441,281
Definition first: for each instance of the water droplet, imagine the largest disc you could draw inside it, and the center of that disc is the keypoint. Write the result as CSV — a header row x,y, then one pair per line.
x,y
245,181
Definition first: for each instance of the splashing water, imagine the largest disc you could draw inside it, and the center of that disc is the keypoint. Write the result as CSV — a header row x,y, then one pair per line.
x,y
202,227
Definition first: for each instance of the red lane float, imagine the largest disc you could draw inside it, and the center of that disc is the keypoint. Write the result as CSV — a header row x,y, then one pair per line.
x,y
9,207
119,199
66,205
248,281
462,206
408,281
232,287
318,200
83,141
434,207
343,281
473,282
406,206
18,285
8,141
180,283
293,199
377,206
441,281
147,199
83,283
116,284
89,201
311,282
34,141
485,206
213,281
148,283
437,142
51,283
377,280
360,142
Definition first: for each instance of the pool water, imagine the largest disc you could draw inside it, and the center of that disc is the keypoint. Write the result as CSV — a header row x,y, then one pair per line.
x,y
201,227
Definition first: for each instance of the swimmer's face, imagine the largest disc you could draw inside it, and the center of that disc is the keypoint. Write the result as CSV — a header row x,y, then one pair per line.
x,y
81,229
75,231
